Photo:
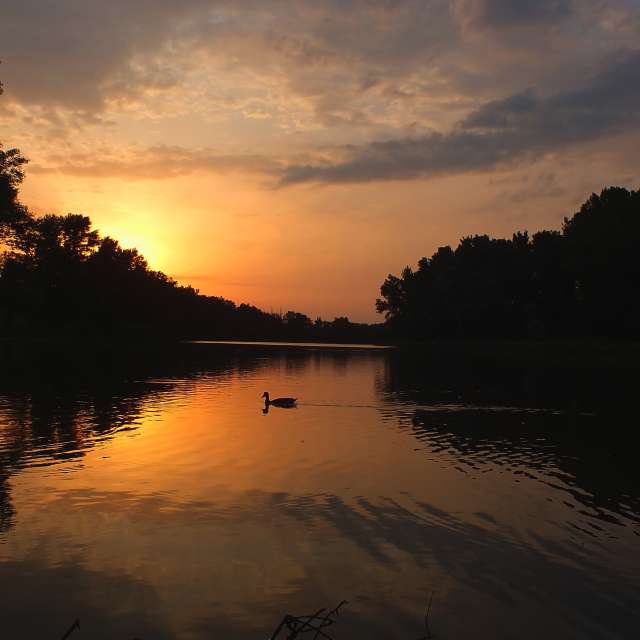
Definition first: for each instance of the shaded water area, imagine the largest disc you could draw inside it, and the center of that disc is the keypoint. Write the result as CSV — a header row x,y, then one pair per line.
x,y
148,494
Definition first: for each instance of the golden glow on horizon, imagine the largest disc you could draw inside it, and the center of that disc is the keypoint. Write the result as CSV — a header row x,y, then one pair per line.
x,y
242,147
322,251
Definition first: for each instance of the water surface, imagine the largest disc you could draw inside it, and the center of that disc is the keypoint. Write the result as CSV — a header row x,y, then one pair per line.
x,y
149,495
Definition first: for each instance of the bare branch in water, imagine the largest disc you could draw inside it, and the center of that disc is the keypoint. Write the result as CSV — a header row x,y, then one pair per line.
x,y
299,625
296,626
426,619
72,628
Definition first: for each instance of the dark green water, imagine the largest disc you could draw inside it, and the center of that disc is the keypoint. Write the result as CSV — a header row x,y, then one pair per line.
x,y
147,494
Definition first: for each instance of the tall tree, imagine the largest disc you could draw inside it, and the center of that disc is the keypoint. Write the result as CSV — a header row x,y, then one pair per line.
x,y
581,281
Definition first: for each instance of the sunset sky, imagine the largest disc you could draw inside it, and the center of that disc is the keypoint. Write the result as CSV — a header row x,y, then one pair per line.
x,y
291,154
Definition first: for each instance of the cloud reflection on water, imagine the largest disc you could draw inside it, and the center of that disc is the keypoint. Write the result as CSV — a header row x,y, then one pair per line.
x,y
188,543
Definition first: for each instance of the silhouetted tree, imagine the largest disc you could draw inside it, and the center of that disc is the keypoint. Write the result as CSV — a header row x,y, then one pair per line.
x,y
602,246
583,281
12,213
58,275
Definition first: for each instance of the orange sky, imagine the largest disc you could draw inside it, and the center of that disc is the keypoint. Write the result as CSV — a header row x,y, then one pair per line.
x,y
291,154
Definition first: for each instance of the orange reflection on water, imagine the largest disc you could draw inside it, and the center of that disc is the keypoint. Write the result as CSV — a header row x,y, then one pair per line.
x,y
172,506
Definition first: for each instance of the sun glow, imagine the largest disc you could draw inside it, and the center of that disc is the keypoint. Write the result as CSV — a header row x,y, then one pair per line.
x,y
154,250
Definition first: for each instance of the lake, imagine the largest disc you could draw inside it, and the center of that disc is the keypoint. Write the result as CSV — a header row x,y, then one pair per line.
x,y
146,493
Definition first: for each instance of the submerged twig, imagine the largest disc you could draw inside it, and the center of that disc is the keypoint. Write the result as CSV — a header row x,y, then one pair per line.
x,y
299,625
426,619
72,628
336,610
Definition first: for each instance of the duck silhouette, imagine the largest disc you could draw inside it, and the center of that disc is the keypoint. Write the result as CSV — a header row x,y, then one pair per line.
x,y
278,402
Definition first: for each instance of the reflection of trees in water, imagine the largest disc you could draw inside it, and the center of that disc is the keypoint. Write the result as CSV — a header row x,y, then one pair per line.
x,y
442,377
51,423
566,425
487,558
6,508
537,445
58,404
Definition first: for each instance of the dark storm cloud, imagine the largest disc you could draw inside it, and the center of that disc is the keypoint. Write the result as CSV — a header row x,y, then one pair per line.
x,y
498,14
499,132
610,102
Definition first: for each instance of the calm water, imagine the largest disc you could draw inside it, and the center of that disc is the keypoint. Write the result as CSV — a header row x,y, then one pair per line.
x,y
149,495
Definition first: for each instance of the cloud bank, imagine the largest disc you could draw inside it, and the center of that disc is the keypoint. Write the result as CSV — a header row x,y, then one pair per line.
x,y
365,90
497,133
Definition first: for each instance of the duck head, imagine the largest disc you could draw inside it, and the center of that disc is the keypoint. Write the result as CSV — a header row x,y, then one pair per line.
x,y
265,395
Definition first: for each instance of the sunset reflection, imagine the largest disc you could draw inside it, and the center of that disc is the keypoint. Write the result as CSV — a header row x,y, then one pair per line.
x,y
231,517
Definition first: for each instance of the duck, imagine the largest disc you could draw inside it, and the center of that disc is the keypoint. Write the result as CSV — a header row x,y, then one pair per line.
x,y
278,402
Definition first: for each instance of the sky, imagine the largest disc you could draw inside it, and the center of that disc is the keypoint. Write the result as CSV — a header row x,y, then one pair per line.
x,y
292,153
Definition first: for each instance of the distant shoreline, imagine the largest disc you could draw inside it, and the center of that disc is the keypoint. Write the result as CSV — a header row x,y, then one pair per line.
x,y
292,343
552,352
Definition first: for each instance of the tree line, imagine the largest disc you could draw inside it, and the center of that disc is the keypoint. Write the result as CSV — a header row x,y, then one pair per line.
x,y
581,281
59,275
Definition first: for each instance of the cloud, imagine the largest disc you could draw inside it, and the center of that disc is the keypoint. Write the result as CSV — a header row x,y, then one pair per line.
x,y
502,14
542,185
73,54
407,88
497,133
348,65
154,163
610,103
81,55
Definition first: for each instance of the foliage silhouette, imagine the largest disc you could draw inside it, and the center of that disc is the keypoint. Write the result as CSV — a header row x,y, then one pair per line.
x,y
59,276
580,282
